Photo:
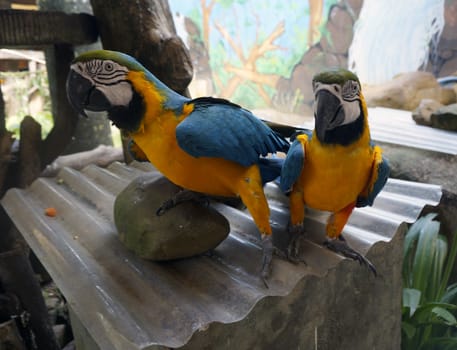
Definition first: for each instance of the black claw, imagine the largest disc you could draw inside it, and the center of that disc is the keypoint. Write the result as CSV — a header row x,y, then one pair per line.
x,y
340,246
203,201
181,197
166,206
267,256
293,249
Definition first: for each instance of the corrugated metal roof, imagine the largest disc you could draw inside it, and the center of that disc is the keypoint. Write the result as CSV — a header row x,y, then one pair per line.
x,y
129,303
397,127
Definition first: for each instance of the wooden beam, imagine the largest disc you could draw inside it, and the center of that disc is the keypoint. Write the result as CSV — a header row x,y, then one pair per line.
x,y
58,60
38,29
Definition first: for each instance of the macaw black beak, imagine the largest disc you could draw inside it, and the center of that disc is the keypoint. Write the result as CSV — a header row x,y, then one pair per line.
x,y
328,112
84,95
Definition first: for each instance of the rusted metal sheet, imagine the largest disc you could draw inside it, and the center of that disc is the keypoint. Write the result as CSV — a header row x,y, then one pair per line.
x,y
129,303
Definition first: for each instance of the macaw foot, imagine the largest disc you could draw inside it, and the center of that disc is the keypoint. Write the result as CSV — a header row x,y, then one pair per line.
x,y
267,256
340,246
181,197
293,249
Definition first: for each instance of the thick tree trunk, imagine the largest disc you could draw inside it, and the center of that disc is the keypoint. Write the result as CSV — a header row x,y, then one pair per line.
x,y
87,133
58,59
145,30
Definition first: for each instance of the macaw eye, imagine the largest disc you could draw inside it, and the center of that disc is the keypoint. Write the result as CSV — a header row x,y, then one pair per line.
x,y
109,66
351,89
355,87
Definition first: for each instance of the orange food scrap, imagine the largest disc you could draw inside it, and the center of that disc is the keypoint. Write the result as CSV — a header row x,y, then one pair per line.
x,y
50,212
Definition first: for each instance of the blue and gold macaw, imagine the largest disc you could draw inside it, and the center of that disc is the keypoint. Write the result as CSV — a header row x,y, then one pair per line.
x,y
336,167
207,145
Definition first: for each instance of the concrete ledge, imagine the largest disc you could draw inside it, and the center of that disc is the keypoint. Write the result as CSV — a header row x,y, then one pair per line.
x,y
218,301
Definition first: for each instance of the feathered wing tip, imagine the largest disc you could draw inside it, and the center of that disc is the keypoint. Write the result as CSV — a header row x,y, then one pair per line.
x,y
264,140
292,166
285,130
270,168
383,172
280,143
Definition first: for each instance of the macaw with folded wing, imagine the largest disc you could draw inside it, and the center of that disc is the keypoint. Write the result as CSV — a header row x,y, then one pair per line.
x,y
336,167
207,145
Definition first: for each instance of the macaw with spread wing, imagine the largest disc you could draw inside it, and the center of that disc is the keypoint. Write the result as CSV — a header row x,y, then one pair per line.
x,y
207,145
336,167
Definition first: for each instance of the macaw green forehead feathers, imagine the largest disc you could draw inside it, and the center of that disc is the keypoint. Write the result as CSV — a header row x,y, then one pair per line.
x,y
336,76
118,57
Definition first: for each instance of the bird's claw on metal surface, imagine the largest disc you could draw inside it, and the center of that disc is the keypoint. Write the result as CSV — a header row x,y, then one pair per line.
x,y
340,246
293,249
267,256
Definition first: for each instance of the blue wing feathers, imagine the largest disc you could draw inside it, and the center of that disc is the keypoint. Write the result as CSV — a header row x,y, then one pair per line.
x,y
383,170
292,166
219,128
270,168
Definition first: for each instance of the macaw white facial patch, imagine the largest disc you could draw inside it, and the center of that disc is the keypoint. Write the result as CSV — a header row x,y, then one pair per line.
x,y
118,95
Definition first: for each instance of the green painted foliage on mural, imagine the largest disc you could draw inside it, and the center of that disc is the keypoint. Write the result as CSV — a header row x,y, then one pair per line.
x,y
251,31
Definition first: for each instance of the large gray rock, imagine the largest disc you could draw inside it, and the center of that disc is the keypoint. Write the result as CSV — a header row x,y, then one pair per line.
x,y
406,91
422,114
186,230
419,165
428,167
445,117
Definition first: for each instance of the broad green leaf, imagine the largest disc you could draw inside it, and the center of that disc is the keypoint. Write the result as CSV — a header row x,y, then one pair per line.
x,y
413,232
408,329
441,343
411,299
449,264
434,285
450,295
425,253
445,315
409,245
428,304
424,312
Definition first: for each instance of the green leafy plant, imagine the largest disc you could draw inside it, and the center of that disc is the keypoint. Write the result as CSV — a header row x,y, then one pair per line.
x,y
428,310
23,85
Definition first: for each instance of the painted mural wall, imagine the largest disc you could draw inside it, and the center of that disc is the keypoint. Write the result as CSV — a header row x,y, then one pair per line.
x,y
263,54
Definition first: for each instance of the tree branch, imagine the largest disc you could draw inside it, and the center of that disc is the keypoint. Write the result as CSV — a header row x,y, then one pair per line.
x,y
267,45
246,74
231,42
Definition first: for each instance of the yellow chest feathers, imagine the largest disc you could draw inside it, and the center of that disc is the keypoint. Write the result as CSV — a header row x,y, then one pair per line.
x,y
333,175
